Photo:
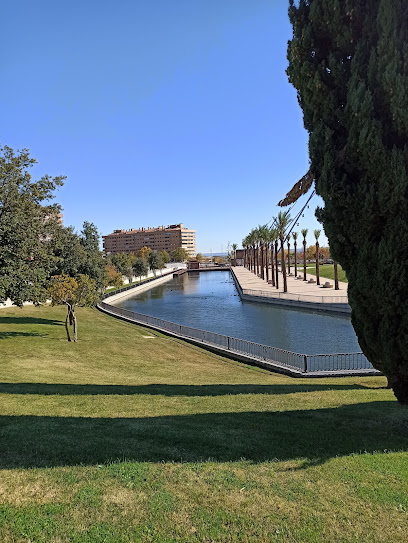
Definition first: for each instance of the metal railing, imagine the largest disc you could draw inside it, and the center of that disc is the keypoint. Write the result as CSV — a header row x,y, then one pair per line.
x,y
294,362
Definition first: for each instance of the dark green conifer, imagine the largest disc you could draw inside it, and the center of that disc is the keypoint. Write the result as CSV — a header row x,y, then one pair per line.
x,y
348,61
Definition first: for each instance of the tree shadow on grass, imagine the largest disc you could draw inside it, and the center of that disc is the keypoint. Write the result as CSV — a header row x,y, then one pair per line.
x,y
29,320
312,435
6,335
48,389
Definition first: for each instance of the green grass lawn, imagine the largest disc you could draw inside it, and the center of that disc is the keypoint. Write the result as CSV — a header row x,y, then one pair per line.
x,y
127,438
326,270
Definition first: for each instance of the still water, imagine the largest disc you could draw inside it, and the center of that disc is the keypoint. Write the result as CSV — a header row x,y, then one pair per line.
x,y
210,301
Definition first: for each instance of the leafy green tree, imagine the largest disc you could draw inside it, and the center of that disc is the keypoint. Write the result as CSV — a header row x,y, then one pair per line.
x,y
140,267
113,277
349,63
94,264
180,255
124,263
144,252
28,222
199,257
155,261
69,252
165,257
72,292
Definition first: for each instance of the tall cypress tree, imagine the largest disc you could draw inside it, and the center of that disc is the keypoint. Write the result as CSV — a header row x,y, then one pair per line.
x,y
348,60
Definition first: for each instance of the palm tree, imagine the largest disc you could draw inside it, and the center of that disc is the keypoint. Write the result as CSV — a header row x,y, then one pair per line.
x,y
304,234
245,246
264,240
316,235
282,222
273,235
234,250
295,236
288,242
276,262
251,241
263,235
255,236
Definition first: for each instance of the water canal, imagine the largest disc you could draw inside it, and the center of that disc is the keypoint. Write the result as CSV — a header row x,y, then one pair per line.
x,y
210,301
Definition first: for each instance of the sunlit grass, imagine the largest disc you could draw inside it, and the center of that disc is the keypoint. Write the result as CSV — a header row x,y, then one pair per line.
x,y
123,438
327,270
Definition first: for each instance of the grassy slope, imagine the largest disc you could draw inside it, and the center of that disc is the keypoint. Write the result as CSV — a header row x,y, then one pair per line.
x,y
123,438
327,270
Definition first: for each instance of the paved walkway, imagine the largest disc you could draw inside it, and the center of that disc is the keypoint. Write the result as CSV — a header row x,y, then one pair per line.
x,y
299,291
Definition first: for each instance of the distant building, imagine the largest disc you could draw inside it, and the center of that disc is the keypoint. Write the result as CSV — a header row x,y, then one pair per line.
x,y
158,239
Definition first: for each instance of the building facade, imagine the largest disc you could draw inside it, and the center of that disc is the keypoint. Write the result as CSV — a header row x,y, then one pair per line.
x,y
158,239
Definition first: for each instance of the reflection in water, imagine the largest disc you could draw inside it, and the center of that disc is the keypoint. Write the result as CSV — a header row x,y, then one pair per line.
x,y
209,300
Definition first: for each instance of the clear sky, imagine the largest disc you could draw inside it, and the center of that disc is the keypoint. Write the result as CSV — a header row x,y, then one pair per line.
x,y
158,111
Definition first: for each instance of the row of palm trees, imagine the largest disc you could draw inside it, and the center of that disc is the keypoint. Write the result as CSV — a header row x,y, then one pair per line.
x,y
261,251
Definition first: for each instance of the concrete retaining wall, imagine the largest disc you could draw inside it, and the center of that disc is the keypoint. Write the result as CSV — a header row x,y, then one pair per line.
x,y
340,309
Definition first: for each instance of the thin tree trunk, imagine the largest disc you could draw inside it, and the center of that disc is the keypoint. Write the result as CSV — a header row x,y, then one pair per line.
x,y
66,325
317,263
75,328
295,259
285,286
272,266
288,257
304,260
262,262
336,275
276,264
267,263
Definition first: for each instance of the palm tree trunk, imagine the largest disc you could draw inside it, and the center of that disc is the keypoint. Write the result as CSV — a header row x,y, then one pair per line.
x,y
317,264
288,257
262,262
295,259
336,275
285,286
276,264
257,260
272,266
266,262
304,260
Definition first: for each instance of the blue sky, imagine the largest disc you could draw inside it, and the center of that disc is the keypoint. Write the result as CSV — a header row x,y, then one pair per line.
x,y
158,111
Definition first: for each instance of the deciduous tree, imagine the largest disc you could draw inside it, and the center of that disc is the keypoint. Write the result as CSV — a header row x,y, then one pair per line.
x,y
27,224
72,292
144,252
140,267
165,257
113,276
180,255
155,261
